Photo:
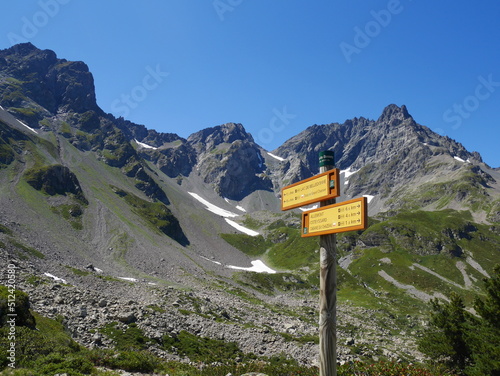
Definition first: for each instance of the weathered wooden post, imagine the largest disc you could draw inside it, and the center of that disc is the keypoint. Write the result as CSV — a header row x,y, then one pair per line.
x,y
327,220
327,287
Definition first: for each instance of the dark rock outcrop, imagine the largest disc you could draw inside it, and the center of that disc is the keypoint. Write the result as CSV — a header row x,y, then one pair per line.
x,y
56,84
55,179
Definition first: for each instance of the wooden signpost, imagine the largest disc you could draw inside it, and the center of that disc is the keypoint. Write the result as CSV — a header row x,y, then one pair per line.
x,y
345,216
325,222
309,191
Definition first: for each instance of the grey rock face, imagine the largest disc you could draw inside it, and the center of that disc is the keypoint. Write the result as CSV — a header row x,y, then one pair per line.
x,y
229,159
388,157
55,84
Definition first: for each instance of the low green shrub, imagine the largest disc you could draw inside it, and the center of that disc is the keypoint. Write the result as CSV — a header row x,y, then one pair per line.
x,y
388,369
201,348
129,339
71,364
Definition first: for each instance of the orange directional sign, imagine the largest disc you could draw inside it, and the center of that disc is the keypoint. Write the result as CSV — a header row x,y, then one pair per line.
x,y
318,188
346,216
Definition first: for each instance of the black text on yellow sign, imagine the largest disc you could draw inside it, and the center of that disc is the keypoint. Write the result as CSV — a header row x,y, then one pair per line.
x,y
346,216
318,188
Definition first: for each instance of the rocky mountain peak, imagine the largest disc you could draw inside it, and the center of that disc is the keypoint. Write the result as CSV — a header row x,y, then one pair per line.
x,y
56,84
22,49
229,160
393,112
226,133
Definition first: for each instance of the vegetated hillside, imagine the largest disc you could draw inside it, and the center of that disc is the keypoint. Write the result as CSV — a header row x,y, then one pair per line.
x,y
97,200
131,224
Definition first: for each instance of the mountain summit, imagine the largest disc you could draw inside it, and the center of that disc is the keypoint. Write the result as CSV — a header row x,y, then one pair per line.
x,y
393,112
33,77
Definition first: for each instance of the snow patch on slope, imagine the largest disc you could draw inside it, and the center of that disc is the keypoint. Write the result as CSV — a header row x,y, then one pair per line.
x,y
145,146
369,198
241,228
128,279
306,208
276,157
214,208
257,266
225,213
346,174
57,279
240,208
27,126
215,262
461,160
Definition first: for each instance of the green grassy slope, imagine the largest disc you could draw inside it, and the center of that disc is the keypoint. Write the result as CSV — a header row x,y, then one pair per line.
x,y
399,261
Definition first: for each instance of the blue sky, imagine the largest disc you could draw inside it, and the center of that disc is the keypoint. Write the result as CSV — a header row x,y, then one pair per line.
x,y
280,66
